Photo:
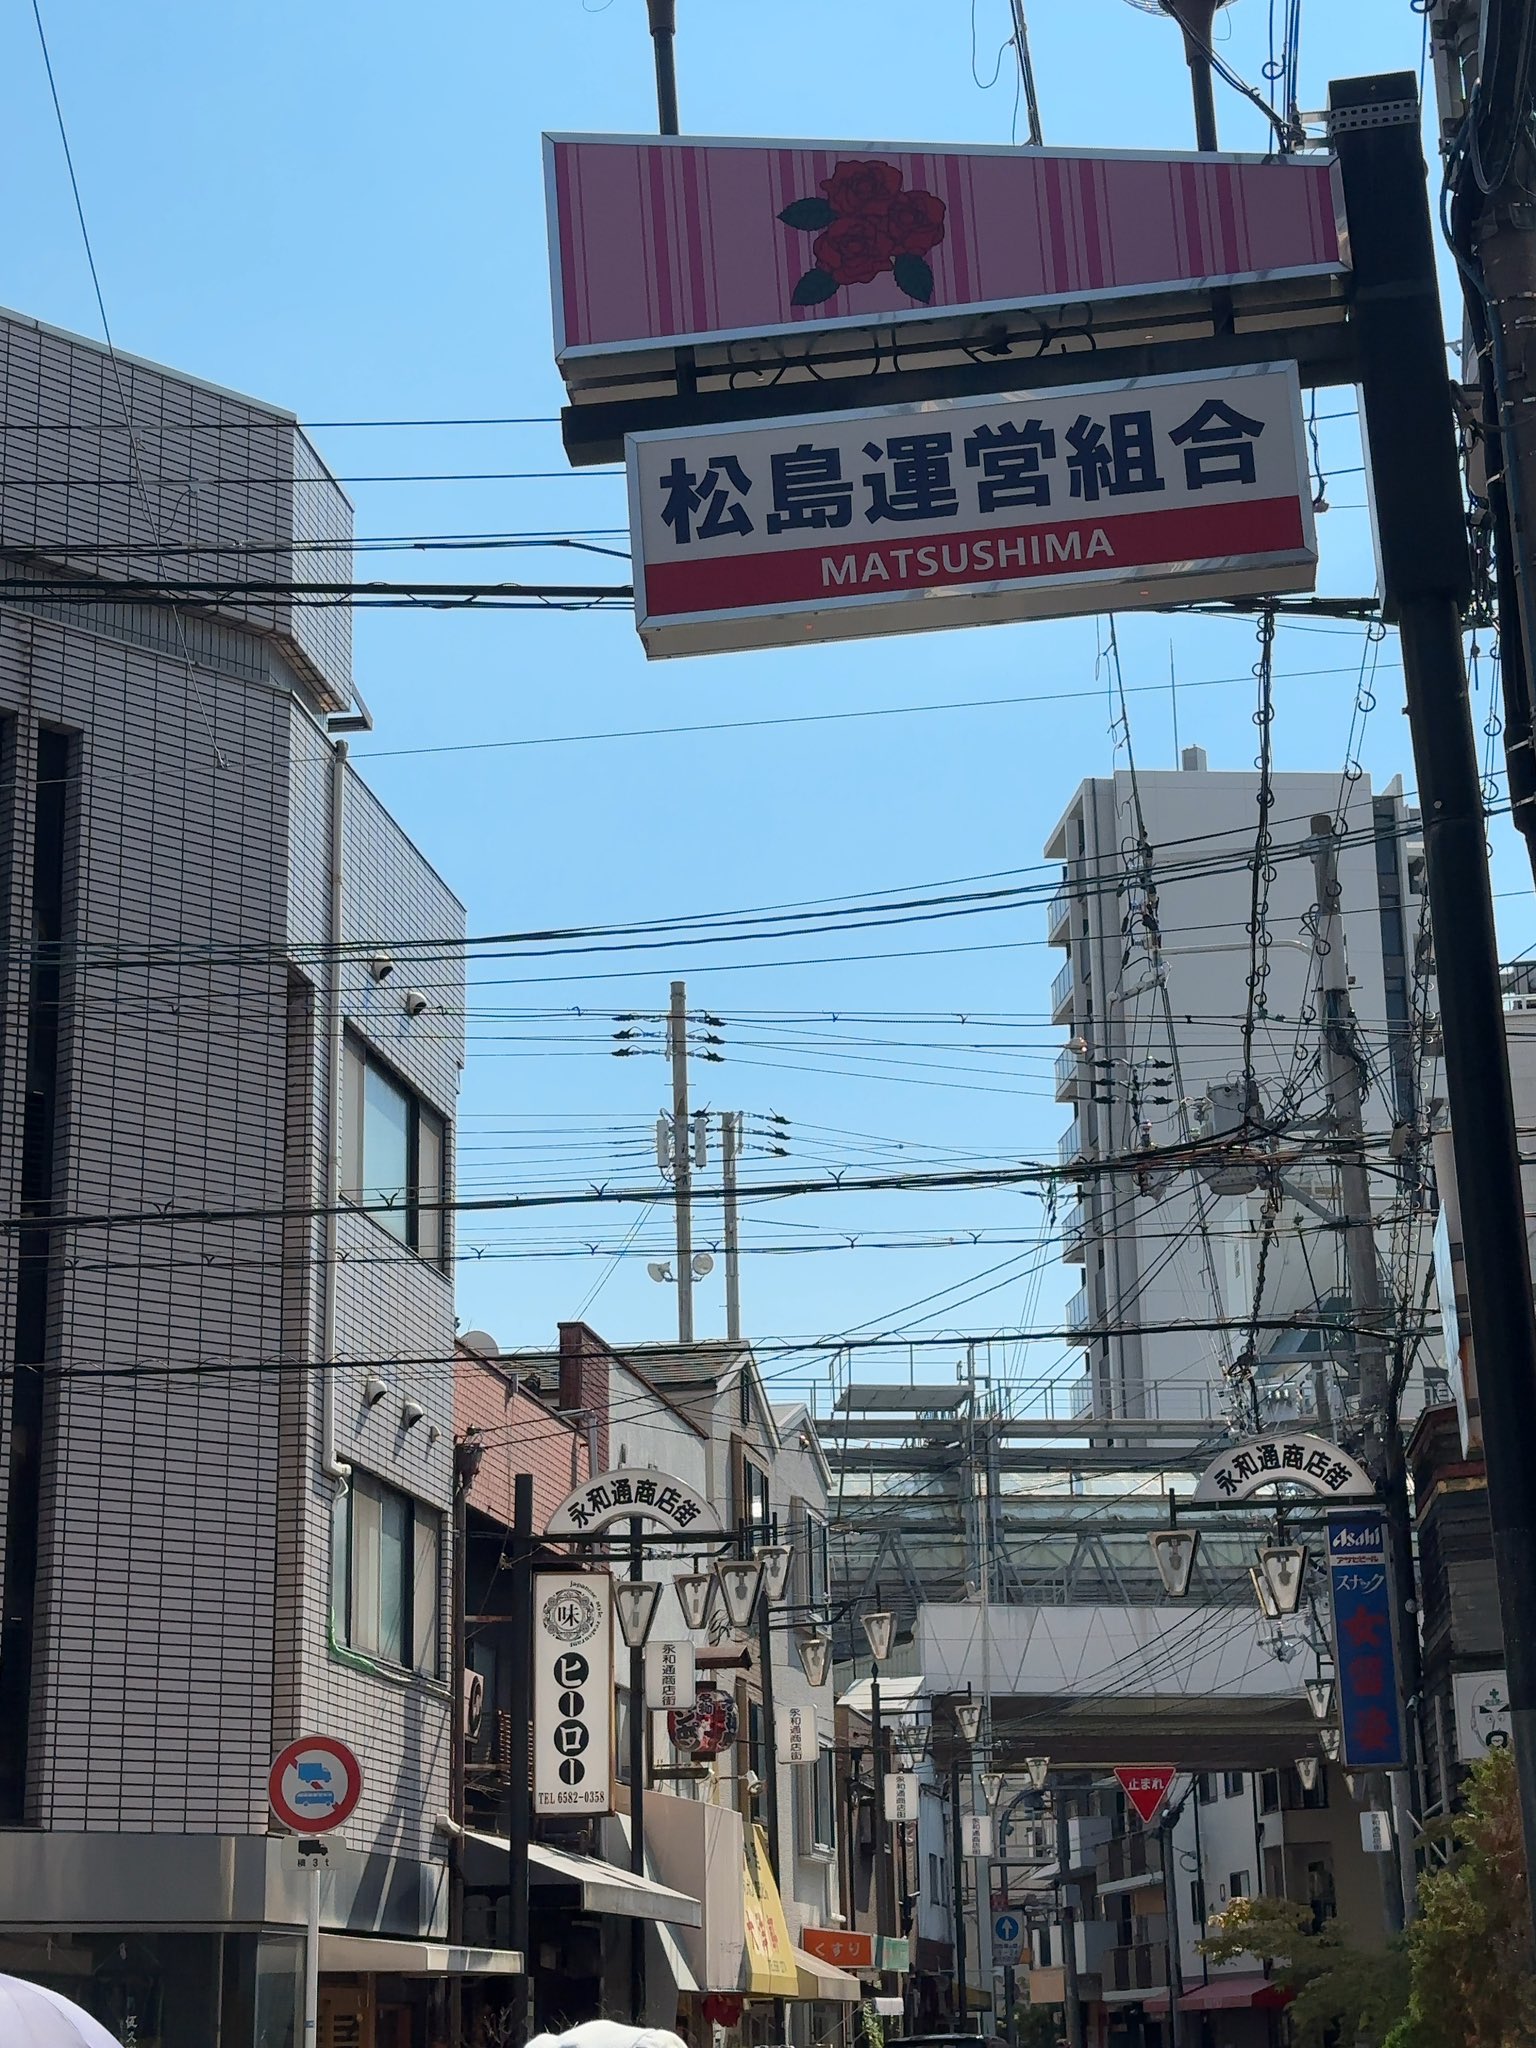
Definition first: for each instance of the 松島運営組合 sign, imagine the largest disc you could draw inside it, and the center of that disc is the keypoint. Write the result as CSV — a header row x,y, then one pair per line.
x,y
969,512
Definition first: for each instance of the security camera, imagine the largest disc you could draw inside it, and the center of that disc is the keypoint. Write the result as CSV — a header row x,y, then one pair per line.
x,y
415,1002
381,965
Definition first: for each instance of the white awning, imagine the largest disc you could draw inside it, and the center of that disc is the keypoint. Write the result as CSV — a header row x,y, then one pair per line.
x,y
824,1980
897,1696
379,1955
604,1887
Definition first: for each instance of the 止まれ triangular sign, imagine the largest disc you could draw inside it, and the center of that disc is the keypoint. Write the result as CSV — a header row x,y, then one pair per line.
x,y
1146,1787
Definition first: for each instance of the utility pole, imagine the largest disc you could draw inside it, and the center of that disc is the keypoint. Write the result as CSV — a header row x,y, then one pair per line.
x,y
1344,1075
1026,73
1072,1998
682,1158
730,1146
957,1888
639,1772
1409,426
520,1717
1197,18
663,14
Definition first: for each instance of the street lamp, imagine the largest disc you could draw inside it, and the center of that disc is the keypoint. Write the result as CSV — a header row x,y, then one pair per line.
x,y
741,1580
815,1655
776,1559
879,1629
636,1601
968,1716
695,1590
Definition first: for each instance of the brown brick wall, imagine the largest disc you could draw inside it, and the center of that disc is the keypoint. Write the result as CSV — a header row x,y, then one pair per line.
x,y
520,1434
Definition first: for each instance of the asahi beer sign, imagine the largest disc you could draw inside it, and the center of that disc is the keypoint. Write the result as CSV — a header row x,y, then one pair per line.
x,y
901,519
572,1693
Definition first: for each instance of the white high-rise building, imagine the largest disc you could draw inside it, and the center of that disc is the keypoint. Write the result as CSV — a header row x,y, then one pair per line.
x,y
1173,1012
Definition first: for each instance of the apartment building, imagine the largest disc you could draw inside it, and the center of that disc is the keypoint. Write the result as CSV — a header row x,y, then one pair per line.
x,y
230,1047
1168,1004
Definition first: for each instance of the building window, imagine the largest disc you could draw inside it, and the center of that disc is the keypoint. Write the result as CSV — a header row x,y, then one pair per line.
x,y
1232,1784
393,1153
823,1803
935,1879
1197,1901
817,1567
1237,1884
752,1499
1269,1792
1205,1788
386,1570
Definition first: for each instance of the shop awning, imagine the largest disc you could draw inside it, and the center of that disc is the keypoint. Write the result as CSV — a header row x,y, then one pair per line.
x,y
603,1887
897,1696
824,1980
1242,1991
379,1955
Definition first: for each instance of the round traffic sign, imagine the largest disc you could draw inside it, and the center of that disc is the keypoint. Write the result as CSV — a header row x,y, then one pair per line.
x,y
1007,1927
314,1784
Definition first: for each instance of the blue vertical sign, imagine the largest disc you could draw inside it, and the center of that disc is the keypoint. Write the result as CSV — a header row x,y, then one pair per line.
x,y
1365,1650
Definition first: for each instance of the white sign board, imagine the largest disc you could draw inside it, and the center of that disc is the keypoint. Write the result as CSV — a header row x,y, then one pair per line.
x,y
968,512
976,1834
901,1795
795,1735
670,1677
1376,1833
572,1692
1482,1713
1007,1938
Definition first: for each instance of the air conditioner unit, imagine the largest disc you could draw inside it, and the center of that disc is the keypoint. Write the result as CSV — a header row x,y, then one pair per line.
x,y
474,1704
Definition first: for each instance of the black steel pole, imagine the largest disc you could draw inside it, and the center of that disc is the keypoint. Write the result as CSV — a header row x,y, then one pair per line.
x,y
663,15
637,1774
771,1768
962,2002
1072,2009
520,1715
1422,538
1197,18
879,1834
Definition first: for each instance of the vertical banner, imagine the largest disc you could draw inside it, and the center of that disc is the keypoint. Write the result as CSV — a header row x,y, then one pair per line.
x,y
669,1676
901,1796
573,1684
976,1834
795,1735
1364,1647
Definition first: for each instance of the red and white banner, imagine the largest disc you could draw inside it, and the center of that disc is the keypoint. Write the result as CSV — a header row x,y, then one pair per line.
x,y
1105,497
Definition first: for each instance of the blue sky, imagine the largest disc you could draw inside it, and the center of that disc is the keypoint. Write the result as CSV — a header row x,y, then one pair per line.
x,y
340,208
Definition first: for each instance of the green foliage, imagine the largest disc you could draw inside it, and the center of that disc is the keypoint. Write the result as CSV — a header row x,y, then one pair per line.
x,y
1470,1947
1337,1985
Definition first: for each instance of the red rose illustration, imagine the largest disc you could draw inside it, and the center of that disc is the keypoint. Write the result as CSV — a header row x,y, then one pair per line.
x,y
915,223
862,188
854,250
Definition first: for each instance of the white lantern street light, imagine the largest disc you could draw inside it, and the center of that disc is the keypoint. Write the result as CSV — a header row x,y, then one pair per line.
x,y
991,1787
1320,1697
695,1590
1174,1552
1307,1768
879,1629
1038,1769
968,1715
741,1580
1329,1738
815,1656
1284,1570
636,1601
776,1559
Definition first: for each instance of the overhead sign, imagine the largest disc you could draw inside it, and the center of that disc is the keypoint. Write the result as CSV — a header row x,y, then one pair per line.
x,y
1482,1713
901,1795
1293,1458
662,240
572,1692
1007,1939
633,1493
1146,1787
795,1735
1364,1645
969,512
314,1784
669,1676
842,1946
1376,1833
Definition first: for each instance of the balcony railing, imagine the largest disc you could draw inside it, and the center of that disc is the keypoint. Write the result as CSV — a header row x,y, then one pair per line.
x,y
1062,991
1077,1310
1069,1067
1059,915
1131,1856
1069,1146
1074,1234
1142,1967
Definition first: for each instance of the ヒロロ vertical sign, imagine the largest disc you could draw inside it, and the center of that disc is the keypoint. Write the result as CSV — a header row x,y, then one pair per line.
x,y
572,1692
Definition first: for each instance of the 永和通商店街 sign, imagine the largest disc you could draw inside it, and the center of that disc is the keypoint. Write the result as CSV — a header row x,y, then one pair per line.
x,y
971,512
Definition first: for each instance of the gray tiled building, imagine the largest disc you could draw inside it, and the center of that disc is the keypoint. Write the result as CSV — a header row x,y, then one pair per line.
x,y
204,1553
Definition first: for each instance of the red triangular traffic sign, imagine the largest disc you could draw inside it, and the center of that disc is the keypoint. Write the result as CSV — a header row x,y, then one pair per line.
x,y
1146,1787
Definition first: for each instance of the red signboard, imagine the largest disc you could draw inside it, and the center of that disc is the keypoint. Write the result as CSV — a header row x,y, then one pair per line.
x,y
1146,1787
840,1946
664,240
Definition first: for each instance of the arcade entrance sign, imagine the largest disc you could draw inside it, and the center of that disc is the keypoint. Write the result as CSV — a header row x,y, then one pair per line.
x,y
1289,1459
898,519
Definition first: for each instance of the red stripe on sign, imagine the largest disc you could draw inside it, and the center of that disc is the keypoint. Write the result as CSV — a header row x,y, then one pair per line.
x,y
1191,537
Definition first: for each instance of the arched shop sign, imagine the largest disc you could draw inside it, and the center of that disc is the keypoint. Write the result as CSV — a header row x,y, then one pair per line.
x,y
633,1493
1308,1462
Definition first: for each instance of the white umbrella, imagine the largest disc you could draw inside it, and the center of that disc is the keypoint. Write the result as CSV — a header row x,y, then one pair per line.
x,y
33,2017
596,2034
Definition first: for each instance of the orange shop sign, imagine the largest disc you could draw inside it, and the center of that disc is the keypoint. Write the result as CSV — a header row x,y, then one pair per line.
x,y
840,1946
